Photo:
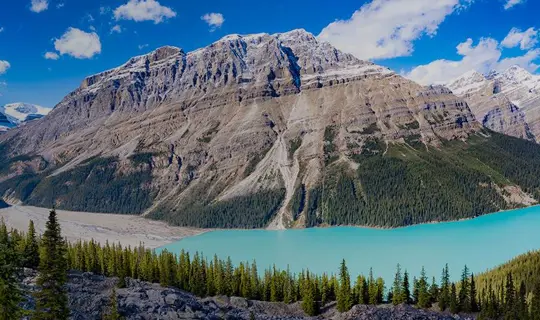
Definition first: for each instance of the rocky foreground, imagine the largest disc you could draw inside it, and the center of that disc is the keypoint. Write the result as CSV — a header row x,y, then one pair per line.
x,y
89,298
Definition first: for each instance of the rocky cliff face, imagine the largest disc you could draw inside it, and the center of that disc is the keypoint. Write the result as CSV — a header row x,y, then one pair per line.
x,y
245,115
506,102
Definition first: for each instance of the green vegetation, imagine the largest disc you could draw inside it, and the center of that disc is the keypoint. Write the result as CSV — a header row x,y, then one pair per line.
x,y
212,277
97,186
51,299
253,211
298,201
411,184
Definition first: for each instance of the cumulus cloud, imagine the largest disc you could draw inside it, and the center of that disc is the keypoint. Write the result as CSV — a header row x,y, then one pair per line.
x,y
4,66
385,29
214,20
526,39
143,10
39,5
510,3
117,28
482,57
51,56
78,44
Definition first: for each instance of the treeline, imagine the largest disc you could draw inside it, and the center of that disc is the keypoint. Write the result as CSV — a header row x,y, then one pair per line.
x,y
250,211
52,256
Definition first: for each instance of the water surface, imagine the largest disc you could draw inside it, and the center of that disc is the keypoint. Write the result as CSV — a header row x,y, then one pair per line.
x,y
480,243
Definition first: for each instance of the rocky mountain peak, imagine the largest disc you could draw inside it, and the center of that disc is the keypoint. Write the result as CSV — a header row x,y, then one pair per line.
x,y
469,82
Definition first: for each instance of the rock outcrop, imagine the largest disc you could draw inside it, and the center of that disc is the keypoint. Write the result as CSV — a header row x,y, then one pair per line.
x,y
89,299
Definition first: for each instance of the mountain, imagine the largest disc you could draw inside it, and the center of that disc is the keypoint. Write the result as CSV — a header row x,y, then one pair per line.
x,y
14,114
506,102
265,130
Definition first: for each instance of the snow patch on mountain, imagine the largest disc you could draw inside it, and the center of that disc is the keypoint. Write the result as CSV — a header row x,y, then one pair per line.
x,y
13,114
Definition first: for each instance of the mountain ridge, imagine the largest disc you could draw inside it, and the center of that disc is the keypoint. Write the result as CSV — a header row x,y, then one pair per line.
x,y
505,102
254,131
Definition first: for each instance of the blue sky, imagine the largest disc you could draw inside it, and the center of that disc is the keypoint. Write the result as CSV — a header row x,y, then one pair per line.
x,y
425,40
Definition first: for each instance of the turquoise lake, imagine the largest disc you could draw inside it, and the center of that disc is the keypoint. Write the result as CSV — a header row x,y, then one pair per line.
x,y
481,243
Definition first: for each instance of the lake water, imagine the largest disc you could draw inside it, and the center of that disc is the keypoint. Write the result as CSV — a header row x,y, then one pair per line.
x,y
481,243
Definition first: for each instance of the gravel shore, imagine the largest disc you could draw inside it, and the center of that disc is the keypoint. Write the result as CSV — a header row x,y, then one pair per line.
x,y
129,230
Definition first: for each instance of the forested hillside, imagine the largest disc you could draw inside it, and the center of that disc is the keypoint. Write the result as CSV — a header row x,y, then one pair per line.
x,y
390,185
411,183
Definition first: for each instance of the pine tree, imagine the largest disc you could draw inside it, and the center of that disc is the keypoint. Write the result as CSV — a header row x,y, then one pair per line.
x,y
10,268
415,292
31,248
522,309
474,301
397,295
309,305
113,313
535,303
444,296
344,298
464,294
406,291
424,298
51,299
434,291
372,288
325,290
454,305
510,296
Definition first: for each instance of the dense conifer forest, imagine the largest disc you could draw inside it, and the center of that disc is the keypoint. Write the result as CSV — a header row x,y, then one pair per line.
x,y
517,297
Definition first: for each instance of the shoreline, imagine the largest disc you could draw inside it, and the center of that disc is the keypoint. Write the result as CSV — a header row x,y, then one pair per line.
x,y
128,230
133,230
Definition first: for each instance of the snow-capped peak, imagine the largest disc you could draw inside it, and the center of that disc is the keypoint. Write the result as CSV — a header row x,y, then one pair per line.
x,y
20,112
516,74
469,82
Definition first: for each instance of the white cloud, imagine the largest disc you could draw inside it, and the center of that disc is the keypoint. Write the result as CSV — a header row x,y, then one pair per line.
x,y
4,66
510,3
117,28
526,39
142,46
78,44
1,29
484,57
143,10
214,20
385,29
39,5
60,5
51,56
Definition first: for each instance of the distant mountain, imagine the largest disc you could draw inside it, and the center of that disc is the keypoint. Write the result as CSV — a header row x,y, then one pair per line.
x,y
266,130
506,102
14,114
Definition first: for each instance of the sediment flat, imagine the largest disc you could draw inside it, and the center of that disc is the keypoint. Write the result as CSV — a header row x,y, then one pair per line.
x,y
129,230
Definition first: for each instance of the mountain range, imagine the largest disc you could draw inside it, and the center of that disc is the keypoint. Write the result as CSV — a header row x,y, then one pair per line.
x,y
276,131
13,114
